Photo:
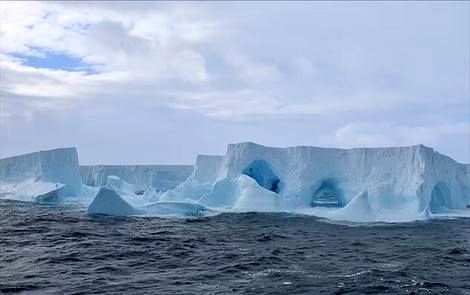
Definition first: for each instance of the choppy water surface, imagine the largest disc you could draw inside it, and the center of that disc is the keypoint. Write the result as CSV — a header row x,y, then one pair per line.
x,y
46,250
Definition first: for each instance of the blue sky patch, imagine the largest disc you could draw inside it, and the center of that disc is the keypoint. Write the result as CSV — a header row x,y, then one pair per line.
x,y
56,61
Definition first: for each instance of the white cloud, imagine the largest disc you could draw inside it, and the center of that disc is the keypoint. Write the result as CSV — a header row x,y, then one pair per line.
x,y
251,71
145,42
183,48
231,105
370,134
323,64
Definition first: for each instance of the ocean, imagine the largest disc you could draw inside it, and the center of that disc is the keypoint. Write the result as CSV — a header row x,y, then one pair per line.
x,y
61,250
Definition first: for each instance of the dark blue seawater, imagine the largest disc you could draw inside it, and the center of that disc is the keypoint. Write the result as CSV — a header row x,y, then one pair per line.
x,y
50,250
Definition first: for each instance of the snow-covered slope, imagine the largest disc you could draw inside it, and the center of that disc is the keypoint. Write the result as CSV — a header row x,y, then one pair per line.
x,y
161,177
46,176
389,184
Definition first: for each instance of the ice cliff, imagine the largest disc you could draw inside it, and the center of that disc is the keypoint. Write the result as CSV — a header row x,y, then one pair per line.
x,y
45,176
361,184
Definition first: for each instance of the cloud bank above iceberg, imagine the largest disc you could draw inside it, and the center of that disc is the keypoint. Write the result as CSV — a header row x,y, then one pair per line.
x,y
336,74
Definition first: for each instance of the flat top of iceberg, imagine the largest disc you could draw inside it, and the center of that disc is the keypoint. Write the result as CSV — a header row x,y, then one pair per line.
x,y
250,144
52,151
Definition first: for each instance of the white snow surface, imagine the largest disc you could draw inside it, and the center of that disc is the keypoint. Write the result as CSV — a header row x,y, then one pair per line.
x,y
44,176
371,184
160,177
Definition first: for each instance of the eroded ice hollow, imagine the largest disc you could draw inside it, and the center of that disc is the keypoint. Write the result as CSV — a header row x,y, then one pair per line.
x,y
361,184
45,176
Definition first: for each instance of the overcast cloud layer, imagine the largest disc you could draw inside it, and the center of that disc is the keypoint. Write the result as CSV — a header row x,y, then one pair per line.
x,y
143,82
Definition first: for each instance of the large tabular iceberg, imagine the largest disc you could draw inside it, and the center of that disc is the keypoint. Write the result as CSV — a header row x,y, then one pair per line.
x,y
45,176
361,184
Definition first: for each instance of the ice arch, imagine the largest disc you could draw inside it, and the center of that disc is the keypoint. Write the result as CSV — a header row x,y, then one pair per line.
x,y
327,195
260,171
440,197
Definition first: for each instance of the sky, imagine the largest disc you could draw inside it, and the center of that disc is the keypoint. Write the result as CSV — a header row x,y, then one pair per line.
x,y
160,82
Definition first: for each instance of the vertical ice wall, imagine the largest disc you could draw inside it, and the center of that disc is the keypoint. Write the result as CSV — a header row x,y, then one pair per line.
x,y
51,166
446,183
390,175
397,180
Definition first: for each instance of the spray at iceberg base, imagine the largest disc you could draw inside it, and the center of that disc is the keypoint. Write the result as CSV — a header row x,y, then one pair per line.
x,y
359,185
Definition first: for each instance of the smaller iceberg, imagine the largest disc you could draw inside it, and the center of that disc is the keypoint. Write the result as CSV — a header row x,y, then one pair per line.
x,y
54,196
118,198
109,202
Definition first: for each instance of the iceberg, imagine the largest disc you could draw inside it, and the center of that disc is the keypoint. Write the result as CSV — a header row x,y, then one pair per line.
x,y
160,177
54,176
359,184
109,202
45,176
118,198
127,191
